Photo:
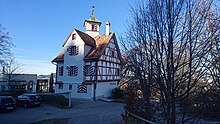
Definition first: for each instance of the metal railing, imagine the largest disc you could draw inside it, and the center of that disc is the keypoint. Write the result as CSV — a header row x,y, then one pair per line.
x,y
131,118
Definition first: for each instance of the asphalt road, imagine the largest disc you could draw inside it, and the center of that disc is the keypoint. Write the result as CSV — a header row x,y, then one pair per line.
x,y
82,112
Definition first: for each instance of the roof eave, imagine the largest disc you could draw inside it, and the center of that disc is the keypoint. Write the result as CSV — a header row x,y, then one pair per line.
x,y
91,59
57,61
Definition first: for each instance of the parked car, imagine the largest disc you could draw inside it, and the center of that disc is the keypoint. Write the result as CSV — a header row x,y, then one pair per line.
x,y
7,103
29,100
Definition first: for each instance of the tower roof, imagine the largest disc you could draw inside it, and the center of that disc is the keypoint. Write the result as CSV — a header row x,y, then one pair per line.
x,y
92,18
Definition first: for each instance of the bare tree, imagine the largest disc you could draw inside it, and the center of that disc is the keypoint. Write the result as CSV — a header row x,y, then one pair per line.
x,y
5,44
213,58
165,45
10,69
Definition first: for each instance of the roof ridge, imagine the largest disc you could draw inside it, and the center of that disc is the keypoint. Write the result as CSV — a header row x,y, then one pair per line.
x,y
86,38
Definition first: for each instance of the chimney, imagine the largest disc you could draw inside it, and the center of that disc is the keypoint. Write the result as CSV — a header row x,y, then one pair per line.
x,y
107,28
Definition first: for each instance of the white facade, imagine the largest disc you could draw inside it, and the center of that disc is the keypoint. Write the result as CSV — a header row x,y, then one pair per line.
x,y
21,81
105,89
86,68
89,30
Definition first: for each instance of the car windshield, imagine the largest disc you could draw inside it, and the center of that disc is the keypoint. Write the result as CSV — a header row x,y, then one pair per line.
x,y
33,97
6,100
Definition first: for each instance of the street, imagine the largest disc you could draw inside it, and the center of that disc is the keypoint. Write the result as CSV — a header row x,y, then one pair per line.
x,y
82,112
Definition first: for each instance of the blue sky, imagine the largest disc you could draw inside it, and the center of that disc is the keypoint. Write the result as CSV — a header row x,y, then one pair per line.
x,y
38,28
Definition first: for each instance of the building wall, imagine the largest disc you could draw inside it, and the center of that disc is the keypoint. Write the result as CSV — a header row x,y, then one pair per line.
x,y
76,60
32,78
3,86
59,78
105,89
87,95
27,78
89,29
74,93
43,82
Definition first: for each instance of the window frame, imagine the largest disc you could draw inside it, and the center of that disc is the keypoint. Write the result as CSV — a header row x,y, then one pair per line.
x,y
72,70
73,50
70,86
60,86
94,27
73,36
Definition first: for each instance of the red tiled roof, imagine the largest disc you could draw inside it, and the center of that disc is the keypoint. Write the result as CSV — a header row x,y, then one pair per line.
x,y
85,37
101,43
60,57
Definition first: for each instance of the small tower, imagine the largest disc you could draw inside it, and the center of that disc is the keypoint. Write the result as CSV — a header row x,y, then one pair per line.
x,y
92,25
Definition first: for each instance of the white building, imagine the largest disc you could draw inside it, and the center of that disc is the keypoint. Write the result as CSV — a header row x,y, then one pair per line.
x,y
45,82
18,81
89,65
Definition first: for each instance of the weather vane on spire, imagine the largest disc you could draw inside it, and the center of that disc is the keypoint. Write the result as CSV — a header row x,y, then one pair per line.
x,y
93,10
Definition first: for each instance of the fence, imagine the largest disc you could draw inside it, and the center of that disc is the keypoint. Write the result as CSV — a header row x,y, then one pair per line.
x,y
131,118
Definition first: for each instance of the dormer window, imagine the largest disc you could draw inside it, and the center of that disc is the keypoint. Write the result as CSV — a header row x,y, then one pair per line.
x,y
94,27
73,36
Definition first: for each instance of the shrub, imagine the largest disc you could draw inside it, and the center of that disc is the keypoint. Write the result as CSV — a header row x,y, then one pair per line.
x,y
118,93
55,99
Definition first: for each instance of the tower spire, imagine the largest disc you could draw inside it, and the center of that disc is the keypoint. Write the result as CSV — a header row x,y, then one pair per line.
x,y
92,24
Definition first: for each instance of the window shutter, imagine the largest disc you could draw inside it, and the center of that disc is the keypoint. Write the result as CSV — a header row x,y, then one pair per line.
x,y
91,70
69,70
61,71
84,70
75,70
73,50
82,88
76,50
70,51
95,27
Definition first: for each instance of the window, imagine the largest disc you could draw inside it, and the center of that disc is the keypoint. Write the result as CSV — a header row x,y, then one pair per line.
x,y
70,87
60,86
88,70
73,50
94,27
82,88
61,71
72,70
117,71
113,54
73,36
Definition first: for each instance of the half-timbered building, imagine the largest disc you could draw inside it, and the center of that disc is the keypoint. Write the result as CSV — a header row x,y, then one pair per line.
x,y
89,66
